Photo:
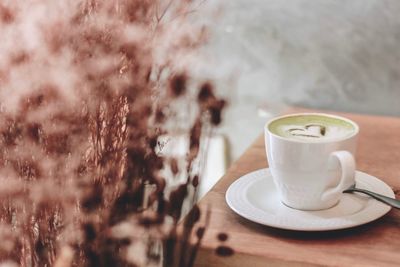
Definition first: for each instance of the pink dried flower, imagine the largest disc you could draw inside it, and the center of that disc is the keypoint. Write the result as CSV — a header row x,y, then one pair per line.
x,y
87,90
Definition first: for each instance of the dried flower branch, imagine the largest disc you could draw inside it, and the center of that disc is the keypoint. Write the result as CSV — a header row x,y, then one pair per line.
x,y
87,89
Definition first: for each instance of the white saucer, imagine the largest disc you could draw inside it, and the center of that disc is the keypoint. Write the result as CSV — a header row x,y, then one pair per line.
x,y
254,197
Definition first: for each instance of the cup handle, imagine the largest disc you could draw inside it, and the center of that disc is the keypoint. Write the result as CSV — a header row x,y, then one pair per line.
x,y
348,165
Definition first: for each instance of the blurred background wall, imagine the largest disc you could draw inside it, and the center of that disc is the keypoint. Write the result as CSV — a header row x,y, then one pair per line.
x,y
334,55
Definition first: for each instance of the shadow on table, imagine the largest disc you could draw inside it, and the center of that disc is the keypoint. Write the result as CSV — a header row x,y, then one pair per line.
x,y
393,219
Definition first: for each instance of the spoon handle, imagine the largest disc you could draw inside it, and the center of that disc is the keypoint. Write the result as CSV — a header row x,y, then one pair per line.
x,y
387,200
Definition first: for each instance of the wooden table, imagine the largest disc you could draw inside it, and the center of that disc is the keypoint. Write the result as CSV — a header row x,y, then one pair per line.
x,y
373,244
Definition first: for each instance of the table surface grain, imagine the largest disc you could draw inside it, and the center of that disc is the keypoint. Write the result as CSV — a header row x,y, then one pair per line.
x,y
373,244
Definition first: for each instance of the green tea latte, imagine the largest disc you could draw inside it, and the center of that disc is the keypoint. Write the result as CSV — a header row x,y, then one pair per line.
x,y
312,128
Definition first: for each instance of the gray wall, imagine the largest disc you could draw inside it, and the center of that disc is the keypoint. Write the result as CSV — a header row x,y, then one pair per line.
x,y
338,55
332,54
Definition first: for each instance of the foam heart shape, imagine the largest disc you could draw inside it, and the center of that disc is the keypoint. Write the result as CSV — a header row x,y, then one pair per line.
x,y
310,130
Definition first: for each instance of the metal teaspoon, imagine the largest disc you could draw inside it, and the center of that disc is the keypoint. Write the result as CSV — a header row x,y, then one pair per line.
x,y
387,200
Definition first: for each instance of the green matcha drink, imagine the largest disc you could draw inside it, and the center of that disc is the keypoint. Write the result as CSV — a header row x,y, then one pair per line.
x,y
312,128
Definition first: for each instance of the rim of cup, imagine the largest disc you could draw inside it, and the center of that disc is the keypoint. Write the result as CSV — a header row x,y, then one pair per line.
x,y
355,125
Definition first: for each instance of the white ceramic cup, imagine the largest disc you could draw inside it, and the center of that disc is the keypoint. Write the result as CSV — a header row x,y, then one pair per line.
x,y
311,175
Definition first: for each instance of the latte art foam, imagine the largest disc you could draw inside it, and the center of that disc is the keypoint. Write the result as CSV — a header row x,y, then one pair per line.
x,y
312,128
